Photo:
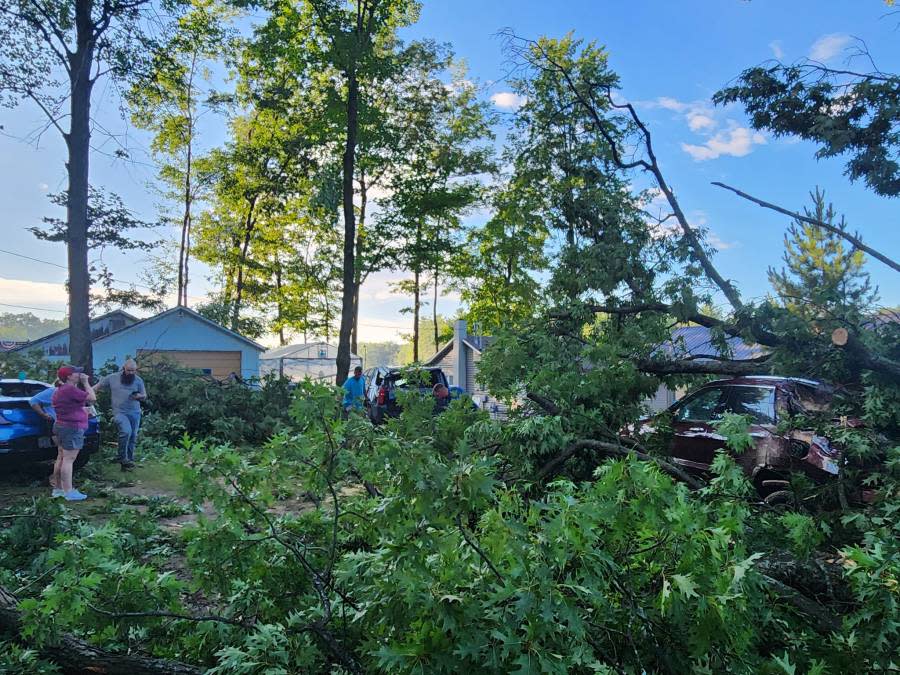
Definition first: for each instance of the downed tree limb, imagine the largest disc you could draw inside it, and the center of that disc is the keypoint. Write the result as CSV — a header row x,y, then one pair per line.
x,y
593,98
77,656
708,366
552,467
844,339
543,403
819,223
822,617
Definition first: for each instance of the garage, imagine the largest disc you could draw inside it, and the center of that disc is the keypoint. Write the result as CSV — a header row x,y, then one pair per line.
x,y
219,364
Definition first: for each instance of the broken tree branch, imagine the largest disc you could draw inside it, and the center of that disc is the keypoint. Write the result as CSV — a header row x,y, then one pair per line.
x,y
77,656
552,467
819,223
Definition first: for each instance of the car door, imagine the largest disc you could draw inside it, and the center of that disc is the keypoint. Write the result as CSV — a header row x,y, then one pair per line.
x,y
756,402
694,439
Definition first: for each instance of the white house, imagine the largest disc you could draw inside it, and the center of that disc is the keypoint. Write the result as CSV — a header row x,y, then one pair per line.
x,y
459,360
178,334
314,360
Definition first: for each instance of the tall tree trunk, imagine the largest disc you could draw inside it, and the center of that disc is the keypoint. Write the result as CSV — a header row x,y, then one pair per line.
x,y
188,189
78,142
280,306
434,312
357,268
416,304
249,224
349,163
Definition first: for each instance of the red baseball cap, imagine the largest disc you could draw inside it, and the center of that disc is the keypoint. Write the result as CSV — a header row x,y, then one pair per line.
x,y
64,372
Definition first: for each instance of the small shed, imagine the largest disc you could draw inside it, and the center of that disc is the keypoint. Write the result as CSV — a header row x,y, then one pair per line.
x,y
312,360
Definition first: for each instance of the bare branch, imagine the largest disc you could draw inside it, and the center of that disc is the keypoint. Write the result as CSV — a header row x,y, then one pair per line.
x,y
552,467
170,615
481,554
819,223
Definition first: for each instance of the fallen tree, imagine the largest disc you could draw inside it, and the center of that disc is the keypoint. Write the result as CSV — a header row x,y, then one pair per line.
x,y
73,655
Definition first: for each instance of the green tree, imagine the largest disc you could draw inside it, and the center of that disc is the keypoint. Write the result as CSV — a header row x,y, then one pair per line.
x,y
27,326
110,225
845,113
821,275
55,51
446,155
495,270
354,39
170,100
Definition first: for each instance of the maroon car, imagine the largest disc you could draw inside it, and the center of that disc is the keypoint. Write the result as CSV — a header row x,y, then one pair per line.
x,y
767,401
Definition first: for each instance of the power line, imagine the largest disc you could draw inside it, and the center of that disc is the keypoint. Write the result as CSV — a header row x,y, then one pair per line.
x,y
63,267
36,309
27,257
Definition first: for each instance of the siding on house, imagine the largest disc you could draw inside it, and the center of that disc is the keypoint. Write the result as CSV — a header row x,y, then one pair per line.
x,y
181,333
218,364
450,361
179,330
448,365
56,345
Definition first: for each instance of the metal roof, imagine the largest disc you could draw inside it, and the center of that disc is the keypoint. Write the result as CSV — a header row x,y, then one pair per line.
x,y
697,341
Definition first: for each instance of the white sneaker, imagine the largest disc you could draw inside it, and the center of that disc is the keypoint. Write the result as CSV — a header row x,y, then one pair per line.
x,y
75,496
57,493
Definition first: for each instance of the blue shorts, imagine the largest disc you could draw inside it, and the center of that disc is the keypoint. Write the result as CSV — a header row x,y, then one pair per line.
x,y
69,438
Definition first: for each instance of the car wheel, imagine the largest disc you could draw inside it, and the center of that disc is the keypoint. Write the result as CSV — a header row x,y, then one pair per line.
x,y
780,498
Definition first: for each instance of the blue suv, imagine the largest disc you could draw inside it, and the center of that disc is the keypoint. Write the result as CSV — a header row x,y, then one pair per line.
x,y
24,435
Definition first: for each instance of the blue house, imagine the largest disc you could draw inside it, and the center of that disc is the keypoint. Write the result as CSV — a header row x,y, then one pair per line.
x,y
178,334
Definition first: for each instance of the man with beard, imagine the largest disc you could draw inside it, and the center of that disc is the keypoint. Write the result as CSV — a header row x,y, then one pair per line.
x,y
126,390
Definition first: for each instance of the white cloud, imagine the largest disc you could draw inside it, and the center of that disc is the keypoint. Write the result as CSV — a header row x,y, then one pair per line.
x,y
736,142
508,100
37,294
699,115
720,244
43,187
670,103
698,121
828,46
777,51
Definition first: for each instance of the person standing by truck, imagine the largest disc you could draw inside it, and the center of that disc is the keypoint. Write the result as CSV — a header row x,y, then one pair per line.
x,y
354,391
126,390
69,400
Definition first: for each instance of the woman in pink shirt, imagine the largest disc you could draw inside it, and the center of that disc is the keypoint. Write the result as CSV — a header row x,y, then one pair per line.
x,y
71,422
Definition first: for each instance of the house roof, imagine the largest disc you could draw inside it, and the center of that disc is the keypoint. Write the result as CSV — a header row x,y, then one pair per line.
x,y
64,331
697,341
300,351
187,312
439,354
478,343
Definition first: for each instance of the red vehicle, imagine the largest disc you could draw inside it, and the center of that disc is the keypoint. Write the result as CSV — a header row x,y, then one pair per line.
x,y
767,401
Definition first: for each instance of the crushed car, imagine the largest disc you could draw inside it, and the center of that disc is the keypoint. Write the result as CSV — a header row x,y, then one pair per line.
x,y
767,401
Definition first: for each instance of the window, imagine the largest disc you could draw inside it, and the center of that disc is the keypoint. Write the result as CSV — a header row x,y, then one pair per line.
x,y
450,380
206,371
704,406
323,352
757,402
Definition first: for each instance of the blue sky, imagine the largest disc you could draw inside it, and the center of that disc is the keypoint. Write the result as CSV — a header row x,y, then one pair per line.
x,y
671,57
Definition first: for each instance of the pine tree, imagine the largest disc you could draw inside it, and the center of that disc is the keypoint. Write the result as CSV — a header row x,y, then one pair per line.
x,y
821,274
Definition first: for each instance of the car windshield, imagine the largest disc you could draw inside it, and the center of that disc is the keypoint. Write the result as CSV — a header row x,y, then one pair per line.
x,y
427,378
20,389
702,407
757,402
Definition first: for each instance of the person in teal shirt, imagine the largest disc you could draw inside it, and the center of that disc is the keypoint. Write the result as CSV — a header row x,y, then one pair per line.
x,y
354,390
